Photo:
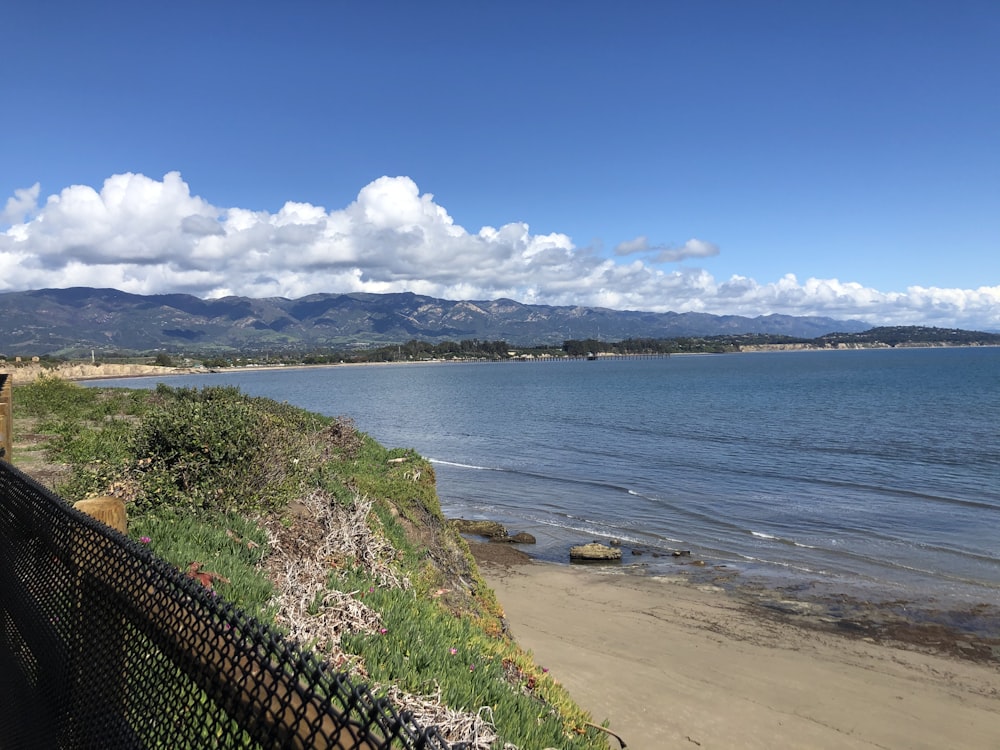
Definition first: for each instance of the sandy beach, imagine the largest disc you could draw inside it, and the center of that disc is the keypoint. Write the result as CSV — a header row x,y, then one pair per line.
x,y
675,665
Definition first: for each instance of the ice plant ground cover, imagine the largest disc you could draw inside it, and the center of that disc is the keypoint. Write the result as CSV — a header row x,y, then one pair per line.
x,y
304,521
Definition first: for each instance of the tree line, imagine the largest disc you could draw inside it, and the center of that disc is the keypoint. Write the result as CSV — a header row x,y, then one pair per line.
x,y
415,350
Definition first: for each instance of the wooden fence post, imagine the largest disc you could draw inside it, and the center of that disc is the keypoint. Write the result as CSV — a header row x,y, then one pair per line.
x,y
107,509
6,417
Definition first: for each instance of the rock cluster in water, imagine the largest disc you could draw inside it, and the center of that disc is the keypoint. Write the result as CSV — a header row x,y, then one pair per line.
x,y
492,530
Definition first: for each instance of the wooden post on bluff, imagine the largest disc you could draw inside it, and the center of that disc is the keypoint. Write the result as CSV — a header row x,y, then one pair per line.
x,y
6,417
107,509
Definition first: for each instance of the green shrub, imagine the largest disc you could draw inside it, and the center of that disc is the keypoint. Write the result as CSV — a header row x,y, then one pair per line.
x,y
50,395
65,401
398,475
98,456
218,448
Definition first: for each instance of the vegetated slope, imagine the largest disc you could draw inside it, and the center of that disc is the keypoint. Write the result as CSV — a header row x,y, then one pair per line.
x,y
318,528
73,321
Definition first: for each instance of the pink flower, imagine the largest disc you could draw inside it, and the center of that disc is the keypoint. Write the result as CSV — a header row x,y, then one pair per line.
x,y
472,667
453,651
383,631
145,539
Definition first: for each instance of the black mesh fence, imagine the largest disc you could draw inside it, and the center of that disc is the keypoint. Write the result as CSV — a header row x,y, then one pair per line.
x,y
102,645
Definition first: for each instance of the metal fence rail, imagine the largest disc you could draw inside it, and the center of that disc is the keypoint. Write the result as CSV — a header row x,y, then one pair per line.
x,y
102,645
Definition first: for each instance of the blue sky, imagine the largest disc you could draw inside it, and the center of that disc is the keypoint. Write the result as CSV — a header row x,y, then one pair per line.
x,y
830,158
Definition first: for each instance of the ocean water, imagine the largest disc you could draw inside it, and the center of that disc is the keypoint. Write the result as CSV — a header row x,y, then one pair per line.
x,y
875,472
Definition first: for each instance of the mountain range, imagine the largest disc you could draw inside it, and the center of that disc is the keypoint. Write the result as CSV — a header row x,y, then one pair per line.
x,y
72,322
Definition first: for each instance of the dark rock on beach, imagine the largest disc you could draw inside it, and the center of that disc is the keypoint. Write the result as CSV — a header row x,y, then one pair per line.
x,y
488,529
488,553
492,530
521,537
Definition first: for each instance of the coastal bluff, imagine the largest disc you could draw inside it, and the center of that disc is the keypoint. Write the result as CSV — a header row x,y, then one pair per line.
x,y
27,372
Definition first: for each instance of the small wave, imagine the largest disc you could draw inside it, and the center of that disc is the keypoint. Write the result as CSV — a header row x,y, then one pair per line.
x,y
600,528
907,493
463,466
784,564
781,540
959,551
872,564
540,475
940,574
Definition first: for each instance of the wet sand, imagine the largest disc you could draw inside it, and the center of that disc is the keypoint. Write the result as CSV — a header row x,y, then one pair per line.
x,y
672,664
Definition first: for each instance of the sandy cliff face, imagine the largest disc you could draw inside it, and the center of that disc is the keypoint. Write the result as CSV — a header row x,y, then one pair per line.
x,y
26,372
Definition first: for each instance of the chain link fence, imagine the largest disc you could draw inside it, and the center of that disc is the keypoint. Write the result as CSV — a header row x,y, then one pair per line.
x,y
102,645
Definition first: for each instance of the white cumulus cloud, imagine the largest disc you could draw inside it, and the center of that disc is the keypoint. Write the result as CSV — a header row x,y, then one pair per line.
x,y
147,236
23,203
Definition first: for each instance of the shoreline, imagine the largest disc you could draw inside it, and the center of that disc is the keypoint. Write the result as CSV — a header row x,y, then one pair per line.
x,y
676,663
970,633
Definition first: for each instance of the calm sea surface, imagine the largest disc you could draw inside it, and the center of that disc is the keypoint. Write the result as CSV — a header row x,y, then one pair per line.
x,y
871,472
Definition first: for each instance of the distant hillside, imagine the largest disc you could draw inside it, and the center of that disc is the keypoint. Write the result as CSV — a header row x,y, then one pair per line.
x,y
68,322
903,336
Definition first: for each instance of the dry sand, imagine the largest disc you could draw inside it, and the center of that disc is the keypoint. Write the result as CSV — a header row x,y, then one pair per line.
x,y
672,665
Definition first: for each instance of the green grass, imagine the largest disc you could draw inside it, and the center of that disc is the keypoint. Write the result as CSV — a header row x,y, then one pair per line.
x,y
228,546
